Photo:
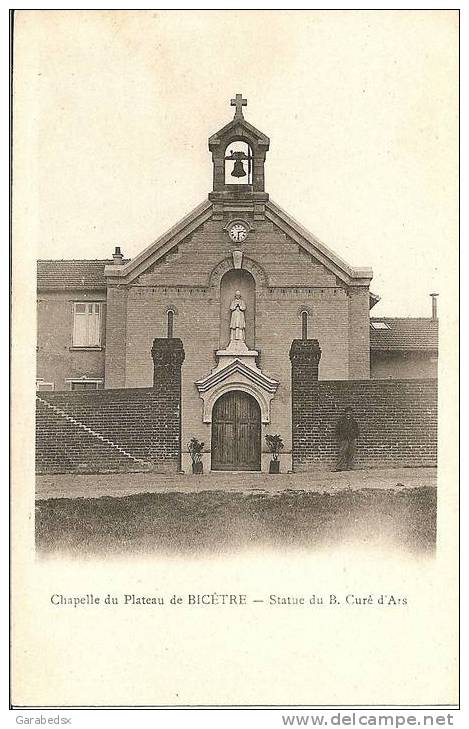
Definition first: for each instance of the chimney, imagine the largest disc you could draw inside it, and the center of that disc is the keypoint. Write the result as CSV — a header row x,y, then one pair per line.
x,y
117,256
434,306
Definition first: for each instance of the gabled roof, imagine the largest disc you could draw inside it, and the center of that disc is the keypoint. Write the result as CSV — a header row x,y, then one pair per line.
x,y
345,272
236,127
404,334
156,250
63,275
237,366
133,268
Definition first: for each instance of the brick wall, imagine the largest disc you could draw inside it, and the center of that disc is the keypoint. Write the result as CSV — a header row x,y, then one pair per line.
x,y
142,424
397,420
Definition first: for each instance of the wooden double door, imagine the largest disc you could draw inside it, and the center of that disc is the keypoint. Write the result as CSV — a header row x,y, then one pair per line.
x,y
236,433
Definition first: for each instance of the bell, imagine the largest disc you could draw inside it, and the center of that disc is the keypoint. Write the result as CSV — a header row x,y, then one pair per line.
x,y
238,169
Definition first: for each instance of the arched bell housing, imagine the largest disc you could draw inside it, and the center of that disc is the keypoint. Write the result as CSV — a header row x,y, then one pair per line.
x,y
238,155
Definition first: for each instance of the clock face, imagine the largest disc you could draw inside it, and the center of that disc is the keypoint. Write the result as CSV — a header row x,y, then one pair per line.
x,y
238,232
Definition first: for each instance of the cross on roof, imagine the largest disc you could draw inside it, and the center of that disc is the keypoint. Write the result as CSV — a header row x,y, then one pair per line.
x,y
239,102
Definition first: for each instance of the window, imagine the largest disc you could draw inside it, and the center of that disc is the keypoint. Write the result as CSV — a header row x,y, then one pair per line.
x,y
170,323
85,383
304,325
42,386
379,325
87,324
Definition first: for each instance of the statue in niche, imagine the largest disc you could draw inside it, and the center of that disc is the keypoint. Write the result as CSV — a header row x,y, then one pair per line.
x,y
238,320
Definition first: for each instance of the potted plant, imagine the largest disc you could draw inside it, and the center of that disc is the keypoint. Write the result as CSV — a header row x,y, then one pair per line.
x,y
275,445
195,448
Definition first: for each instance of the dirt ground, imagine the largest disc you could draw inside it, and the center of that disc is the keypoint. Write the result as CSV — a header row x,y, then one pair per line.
x,y
146,513
126,484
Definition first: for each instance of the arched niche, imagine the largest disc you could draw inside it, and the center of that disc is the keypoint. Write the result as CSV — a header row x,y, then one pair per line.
x,y
237,279
260,276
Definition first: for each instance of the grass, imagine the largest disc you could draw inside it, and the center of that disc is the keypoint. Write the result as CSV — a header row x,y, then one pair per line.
x,y
210,521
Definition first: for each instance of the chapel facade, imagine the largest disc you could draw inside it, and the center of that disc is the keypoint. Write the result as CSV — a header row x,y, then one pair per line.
x,y
236,280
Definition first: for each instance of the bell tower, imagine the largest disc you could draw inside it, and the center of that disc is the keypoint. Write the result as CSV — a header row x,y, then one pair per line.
x,y
238,156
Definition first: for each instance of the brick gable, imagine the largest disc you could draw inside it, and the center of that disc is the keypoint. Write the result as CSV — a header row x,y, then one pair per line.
x,y
192,261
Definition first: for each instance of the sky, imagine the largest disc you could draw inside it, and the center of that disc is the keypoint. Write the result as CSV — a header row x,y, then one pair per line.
x,y
113,110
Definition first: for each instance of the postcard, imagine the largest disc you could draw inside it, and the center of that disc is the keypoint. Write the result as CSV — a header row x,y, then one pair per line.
x,y
234,358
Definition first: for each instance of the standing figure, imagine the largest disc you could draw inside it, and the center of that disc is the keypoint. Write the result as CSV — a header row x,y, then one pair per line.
x,y
347,433
238,321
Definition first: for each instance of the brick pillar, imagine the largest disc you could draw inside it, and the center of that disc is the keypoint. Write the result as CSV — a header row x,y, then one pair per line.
x,y
168,356
116,332
304,356
359,333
